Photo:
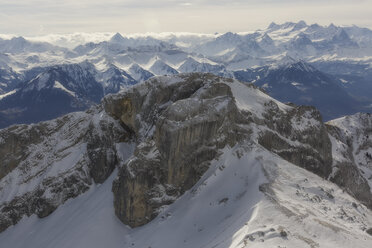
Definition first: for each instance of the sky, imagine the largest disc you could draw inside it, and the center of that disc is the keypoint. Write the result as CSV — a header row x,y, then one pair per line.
x,y
39,17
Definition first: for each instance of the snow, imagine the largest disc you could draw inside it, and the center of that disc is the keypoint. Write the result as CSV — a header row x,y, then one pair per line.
x,y
70,158
355,130
53,156
137,72
306,121
87,221
338,148
58,85
42,81
124,150
7,94
160,68
224,209
313,210
252,99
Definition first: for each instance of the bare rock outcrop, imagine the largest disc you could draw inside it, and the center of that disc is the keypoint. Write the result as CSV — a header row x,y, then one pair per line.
x,y
43,165
189,122
182,123
352,161
300,137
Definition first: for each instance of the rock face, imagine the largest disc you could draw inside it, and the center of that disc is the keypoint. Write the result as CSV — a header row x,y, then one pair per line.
x,y
182,125
180,128
300,137
352,161
44,165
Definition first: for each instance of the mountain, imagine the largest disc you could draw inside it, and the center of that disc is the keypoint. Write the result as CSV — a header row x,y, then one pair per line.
x,y
9,80
219,44
138,73
18,45
354,77
191,65
189,160
161,68
118,44
117,38
113,79
55,92
301,83
343,39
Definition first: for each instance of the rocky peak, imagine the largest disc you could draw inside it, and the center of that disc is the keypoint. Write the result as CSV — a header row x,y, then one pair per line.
x,y
159,67
182,123
138,73
117,38
272,25
19,41
229,37
266,39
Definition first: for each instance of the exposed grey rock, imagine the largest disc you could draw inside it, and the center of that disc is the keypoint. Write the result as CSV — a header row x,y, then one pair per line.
x,y
352,167
300,137
189,122
31,156
181,127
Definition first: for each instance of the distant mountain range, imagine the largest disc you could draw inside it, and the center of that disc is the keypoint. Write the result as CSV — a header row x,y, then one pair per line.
x,y
329,67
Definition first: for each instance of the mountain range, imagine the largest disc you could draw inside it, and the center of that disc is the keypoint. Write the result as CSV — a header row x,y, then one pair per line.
x,y
340,58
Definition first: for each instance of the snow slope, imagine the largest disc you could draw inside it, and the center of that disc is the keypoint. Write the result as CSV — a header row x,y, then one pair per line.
x,y
87,221
224,209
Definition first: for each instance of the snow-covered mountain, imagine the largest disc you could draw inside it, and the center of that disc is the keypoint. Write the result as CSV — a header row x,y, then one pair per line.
x,y
191,65
301,83
9,80
161,68
122,60
190,160
19,45
138,73
58,90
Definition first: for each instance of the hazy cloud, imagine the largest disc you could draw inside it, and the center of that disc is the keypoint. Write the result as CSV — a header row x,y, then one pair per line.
x,y
27,17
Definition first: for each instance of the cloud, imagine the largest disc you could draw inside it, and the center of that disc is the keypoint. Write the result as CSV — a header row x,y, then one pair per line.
x,y
26,17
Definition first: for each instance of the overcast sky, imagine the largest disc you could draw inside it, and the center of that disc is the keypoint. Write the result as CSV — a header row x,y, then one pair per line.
x,y
36,17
